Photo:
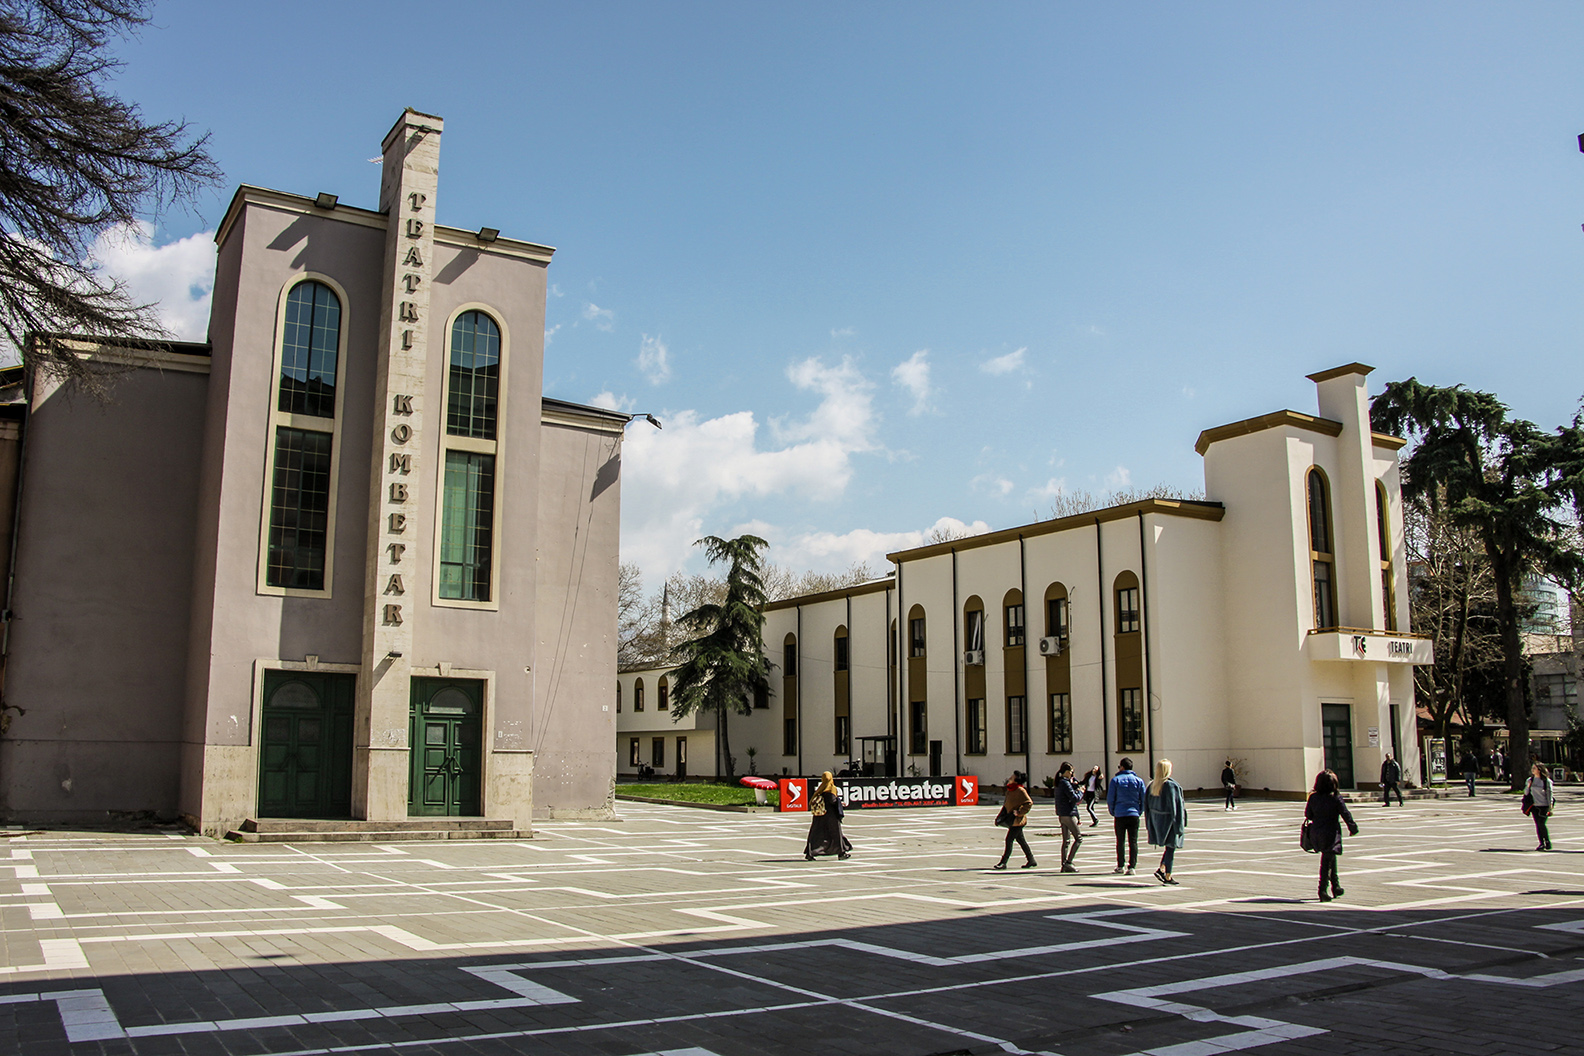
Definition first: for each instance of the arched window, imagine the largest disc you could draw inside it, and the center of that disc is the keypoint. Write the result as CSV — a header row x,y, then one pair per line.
x,y
663,699
916,631
842,688
789,695
298,543
618,696
839,649
638,694
1129,664
469,506
1058,671
1388,584
1321,554
976,713
1012,609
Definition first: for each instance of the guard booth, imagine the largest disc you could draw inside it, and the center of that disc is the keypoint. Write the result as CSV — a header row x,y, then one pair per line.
x,y
878,755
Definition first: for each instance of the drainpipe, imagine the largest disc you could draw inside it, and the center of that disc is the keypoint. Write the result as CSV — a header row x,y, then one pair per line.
x,y
1144,640
956,671
799,695
849,679
901,701
16,534
1028,680
1105,699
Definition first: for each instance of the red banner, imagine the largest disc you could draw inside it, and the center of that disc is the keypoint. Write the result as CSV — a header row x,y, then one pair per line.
x,y
961,790
794,793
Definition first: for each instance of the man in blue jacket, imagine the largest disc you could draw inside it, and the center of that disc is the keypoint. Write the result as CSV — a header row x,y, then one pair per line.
x,y
1125,800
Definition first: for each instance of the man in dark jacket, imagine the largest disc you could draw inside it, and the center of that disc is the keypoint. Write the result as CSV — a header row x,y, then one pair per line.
x,y
1470,770
1125,799
1391,776
1068,797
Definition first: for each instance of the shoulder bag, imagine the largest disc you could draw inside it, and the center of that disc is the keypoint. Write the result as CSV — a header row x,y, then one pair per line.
x,y
1306,837
817,807
1528,803
1004,818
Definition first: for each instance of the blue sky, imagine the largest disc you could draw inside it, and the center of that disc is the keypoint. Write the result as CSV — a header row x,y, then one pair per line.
x,y
877,265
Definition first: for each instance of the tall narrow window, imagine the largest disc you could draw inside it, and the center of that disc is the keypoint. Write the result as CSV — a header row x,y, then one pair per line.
x,y
633,758
916,634
1388,585
843,735
1056,618
978,736
657,752
841,652
1127,614
918,727
1017,724
298,540
1320,552
663,699
1014,624
618,698
1060,724
973,629
638,700
469,506
789,658
1131,707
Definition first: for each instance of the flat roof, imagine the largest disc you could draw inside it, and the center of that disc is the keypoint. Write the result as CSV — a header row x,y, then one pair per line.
x,y
1197,509
871,587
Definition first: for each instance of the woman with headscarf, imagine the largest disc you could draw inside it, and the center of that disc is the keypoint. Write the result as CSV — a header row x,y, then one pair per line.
x,y
1324,813
825,828
1015,809
1165,817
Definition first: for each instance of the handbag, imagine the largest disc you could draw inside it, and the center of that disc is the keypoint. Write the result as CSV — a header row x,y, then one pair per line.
x,y
1528,804
1004,818
1306,837
817,807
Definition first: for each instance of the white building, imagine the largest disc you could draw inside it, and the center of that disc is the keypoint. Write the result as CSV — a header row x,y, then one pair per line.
x,y
1265,624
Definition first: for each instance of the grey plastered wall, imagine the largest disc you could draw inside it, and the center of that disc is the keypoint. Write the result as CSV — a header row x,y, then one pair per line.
x,y
579,527
498,640
103,582
266,251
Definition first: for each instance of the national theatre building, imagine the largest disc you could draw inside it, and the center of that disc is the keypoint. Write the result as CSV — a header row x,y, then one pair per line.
x,y
341,562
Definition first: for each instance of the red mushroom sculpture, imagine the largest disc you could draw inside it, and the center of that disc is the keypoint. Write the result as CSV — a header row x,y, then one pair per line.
x,y
760,786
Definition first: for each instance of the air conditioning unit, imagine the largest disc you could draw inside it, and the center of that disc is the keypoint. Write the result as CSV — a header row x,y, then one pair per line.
x,y
974,658
1051,646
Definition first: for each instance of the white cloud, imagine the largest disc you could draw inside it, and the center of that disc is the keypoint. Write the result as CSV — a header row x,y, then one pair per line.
x,y
913,374
845,331
1188,391
602,318
550,333
832,551
1118,478
1049,491
612,402
654,359
555,290
177,277
675,480
1004,364
993,484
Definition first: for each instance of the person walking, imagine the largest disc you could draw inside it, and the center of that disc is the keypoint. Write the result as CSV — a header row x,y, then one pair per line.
x,y
1165,818
1068,796
1470,768
1391,777
1539,799
1125,801
825,827
1324,813
1017,805
1094,788
1229,782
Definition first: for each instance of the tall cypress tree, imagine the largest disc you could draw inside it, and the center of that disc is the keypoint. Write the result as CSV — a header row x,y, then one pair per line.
x,y
1515,486
721,666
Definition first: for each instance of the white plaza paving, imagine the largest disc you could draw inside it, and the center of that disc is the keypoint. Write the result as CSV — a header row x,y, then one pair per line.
x,y
160,942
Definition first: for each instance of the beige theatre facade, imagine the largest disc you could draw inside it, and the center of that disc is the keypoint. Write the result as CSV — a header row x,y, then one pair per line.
x,y
342,561
1268,623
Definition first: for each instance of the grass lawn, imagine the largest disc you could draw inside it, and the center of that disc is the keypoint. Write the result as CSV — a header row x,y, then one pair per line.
x,y
691,793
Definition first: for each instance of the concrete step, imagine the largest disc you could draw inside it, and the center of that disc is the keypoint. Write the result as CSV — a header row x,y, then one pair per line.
x,y
320,830
1408,793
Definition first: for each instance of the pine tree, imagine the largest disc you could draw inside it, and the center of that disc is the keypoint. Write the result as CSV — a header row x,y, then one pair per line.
x,y
1516,487
721,667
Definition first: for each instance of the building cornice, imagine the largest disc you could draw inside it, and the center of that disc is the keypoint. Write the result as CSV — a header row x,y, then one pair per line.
x,y
1274,420
351,214
1390,443
580,416
1197,510
186,357
1340,372
872,587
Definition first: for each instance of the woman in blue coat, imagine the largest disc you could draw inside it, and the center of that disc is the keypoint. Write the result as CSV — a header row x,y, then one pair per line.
x,y
1166,818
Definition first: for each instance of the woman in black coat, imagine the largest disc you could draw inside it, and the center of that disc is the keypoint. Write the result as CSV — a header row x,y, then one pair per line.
x,y
825,829
1325,812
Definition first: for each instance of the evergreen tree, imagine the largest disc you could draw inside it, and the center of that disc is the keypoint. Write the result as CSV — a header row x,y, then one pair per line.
x,y
721,666
1513,485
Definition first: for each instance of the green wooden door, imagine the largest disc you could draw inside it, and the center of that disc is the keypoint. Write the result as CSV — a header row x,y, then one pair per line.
x,y
447,758
1336,724
305,745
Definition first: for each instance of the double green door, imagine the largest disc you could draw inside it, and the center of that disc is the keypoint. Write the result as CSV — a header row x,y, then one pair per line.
x,y
1336,728
446,739
305,747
